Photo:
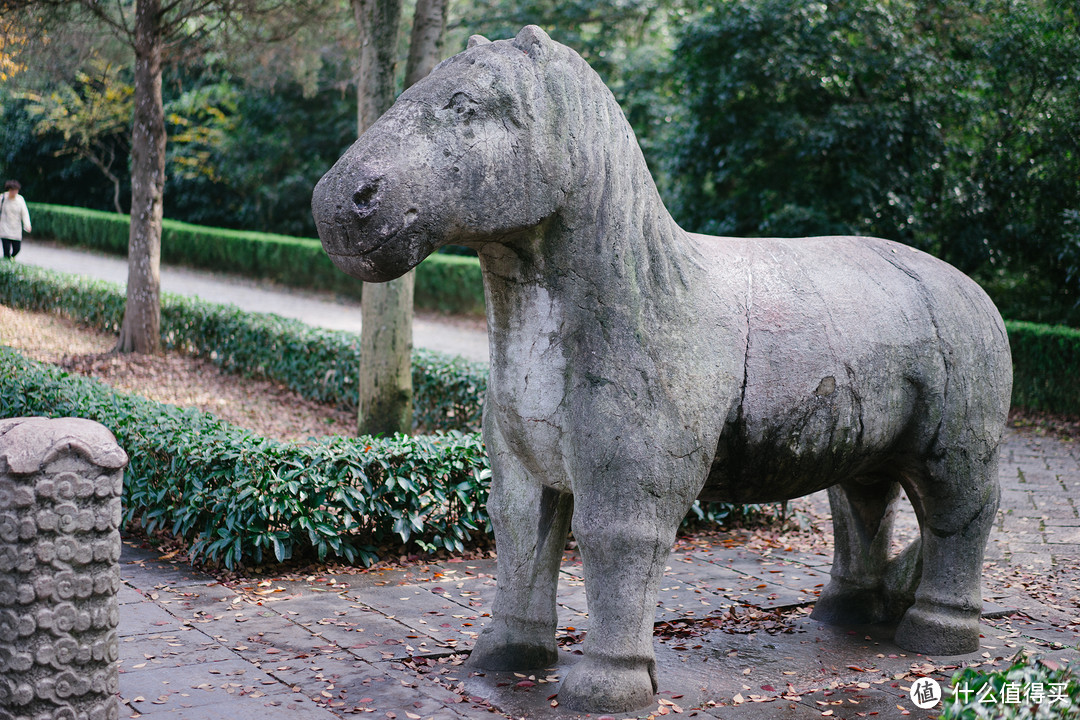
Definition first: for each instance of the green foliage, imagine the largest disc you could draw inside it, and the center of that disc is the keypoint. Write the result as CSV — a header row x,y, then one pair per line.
x,y
243,499
1028,294
715,513
258,174
319,364
93,116
39,163
444,283
952,127
980,695
782,140
1045,367
199,122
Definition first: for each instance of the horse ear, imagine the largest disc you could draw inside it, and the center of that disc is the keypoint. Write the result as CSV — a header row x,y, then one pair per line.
x,y
475,40
534,42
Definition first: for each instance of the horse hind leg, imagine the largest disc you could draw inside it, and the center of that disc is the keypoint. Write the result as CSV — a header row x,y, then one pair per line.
x,y
866,586
956,501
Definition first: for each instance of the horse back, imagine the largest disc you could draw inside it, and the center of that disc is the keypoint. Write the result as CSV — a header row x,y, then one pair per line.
x,y
858,351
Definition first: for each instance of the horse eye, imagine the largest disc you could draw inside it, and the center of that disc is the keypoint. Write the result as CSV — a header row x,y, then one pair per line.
x,y
462,104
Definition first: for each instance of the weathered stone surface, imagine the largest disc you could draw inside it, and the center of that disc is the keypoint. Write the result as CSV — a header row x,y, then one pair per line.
x,y
60,484
636,367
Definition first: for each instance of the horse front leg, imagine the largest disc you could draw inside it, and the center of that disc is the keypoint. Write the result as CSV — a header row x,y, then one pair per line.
x,y
625,537
531,523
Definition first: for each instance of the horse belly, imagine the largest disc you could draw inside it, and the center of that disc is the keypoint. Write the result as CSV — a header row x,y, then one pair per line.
x,y
844,368
806,425
781,468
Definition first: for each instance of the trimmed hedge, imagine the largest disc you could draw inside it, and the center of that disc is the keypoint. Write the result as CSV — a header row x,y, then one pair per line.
x,y
319,364
443,282
1046,367
241,499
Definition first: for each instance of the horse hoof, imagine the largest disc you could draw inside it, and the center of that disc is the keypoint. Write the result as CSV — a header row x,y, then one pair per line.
x,y
844,604
500,649
937,630
606,686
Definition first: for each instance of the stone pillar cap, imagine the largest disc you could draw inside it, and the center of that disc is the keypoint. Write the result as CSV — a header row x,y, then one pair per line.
x,y
28,444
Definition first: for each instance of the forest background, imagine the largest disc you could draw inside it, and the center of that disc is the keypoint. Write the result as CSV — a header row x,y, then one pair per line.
x,y
951,126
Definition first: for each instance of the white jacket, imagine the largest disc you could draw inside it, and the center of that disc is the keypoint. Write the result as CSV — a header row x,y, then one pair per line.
x,y
14,217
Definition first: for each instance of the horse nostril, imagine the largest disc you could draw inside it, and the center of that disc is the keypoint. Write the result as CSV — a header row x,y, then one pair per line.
x,y
365,197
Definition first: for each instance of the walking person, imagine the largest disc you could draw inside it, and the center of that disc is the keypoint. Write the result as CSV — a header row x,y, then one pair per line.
x,y
14,218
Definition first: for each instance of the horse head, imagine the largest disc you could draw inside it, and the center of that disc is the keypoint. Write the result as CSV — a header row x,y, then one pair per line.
x,y
463,157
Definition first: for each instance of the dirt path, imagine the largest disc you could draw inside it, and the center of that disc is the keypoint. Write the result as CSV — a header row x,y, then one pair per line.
x,y
262,406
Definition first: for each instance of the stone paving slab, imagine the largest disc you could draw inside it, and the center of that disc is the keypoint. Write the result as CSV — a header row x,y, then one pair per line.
x,y
146,618
171,649
389,644
184,686
295,708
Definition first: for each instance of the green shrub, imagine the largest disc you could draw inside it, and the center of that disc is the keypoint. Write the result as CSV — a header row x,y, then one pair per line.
x,y
444,283
450,284
1030,688
1030,296
241,499
319,364
1046,367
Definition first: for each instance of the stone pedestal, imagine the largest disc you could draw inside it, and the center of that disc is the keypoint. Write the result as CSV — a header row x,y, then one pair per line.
x,y
60,484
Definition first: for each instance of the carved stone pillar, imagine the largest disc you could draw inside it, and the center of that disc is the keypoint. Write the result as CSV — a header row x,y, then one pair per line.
x,y
60,484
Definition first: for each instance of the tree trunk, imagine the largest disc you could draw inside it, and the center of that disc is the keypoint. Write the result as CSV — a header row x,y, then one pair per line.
x,y
386,357
377,22
141,330
385,385
425,44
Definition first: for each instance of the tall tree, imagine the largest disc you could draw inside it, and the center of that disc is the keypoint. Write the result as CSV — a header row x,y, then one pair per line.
x,y
385,386
151,29
385,404
426,41
141,329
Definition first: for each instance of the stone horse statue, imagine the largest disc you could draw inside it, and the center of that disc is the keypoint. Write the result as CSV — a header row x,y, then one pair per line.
x,y
636,367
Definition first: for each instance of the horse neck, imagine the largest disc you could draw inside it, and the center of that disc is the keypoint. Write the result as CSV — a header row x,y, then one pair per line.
x,y
614,222
612,237
612,240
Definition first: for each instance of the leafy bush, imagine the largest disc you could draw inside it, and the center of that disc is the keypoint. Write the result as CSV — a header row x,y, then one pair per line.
x,y
321,365
445,283
240,498
1045,363
948,126
451,284
1030,688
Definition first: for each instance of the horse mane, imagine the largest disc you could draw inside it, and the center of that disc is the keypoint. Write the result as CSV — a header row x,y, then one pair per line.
x,y
611,193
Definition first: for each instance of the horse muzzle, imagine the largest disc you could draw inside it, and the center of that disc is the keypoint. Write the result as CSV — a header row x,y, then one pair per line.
x,y
361,228
346,212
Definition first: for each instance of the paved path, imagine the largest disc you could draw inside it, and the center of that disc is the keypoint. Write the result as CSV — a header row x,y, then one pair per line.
x,y
318,309
387,644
